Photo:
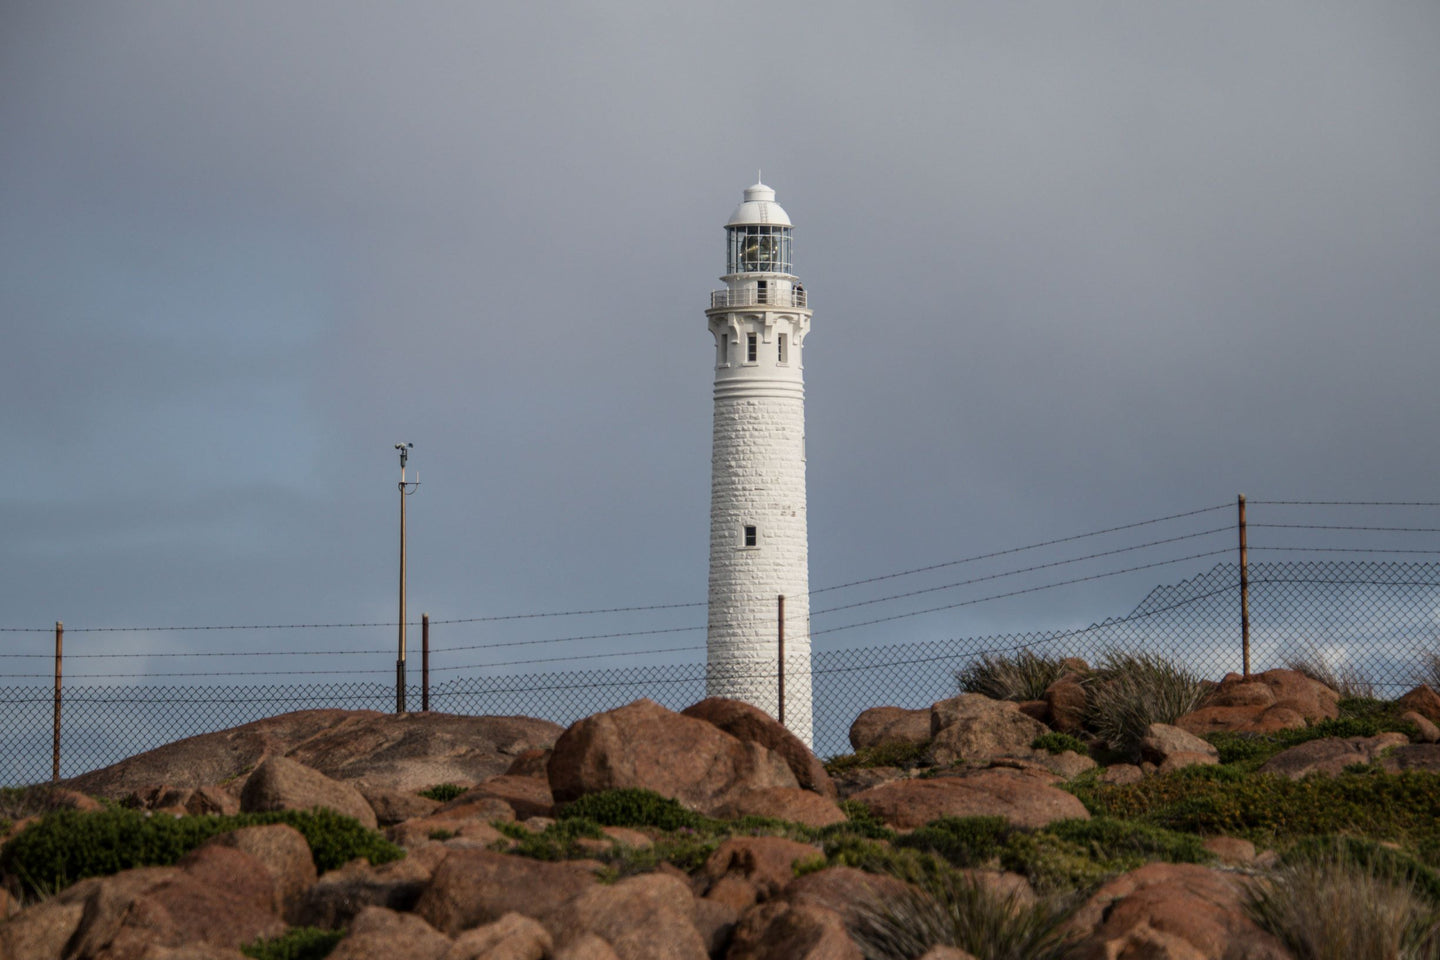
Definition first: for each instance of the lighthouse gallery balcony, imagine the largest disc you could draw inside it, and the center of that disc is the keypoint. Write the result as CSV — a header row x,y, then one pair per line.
x,y
757,298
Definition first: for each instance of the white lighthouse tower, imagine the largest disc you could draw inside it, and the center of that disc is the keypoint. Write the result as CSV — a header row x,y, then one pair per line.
x,y
758,542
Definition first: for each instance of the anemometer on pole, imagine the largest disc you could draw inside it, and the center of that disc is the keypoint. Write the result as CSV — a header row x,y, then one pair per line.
x,y
407,488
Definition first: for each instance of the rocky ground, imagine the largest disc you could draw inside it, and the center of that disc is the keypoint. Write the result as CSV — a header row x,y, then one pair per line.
x,y
525,840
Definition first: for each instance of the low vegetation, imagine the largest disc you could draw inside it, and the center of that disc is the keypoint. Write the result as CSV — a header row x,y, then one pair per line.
x,y
894,754
65,846
1129,691
1060,743
297,943
443,792
1021,676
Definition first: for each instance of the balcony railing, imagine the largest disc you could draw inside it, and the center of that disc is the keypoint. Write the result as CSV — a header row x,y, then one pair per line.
x,y
751,297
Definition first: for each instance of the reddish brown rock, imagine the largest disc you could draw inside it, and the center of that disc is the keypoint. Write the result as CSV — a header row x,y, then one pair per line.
x,y
1412,756
781,930
530,763
975,728
512,937
1121,773
404,752
1171,912
190,951
844,890
472,887
889,725
750,724
1066,701
417,834
644,745
851,782
1330,755
1423,701
587,947
1037,710
766,863
527,796
395,806
212,800
334,900
1425,731
283,852
782,803
714,921
283,784
648,917
377,932
1271,719
1163,741
1022,798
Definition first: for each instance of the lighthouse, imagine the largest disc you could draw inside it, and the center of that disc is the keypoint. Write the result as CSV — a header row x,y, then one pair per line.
x,y
758,541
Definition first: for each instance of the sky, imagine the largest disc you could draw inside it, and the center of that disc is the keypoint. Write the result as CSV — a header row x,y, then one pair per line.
x,y
1072,266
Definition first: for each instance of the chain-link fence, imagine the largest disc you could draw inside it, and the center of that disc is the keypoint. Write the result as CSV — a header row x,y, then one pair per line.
x,y
1376,620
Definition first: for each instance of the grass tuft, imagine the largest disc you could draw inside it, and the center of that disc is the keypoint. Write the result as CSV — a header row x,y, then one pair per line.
x,y
1344,678
1023,676
444,792
893,754
297,943
1130,691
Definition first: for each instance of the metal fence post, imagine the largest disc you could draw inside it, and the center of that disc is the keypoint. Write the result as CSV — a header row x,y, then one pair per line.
x,y
1244,591
424,663
55,745
781,689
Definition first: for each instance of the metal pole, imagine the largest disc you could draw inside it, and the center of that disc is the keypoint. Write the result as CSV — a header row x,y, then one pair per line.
x,y
1244,591
400,661
782,659
425,662
55,746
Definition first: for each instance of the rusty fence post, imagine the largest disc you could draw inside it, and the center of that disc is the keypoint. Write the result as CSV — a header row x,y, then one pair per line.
x,y
1244,591
424,663
55,744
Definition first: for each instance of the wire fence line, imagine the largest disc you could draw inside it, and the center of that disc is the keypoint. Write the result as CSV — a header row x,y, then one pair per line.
x,y
1377,617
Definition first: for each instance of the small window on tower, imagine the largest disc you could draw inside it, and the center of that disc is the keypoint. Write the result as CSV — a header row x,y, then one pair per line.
x,y
724,349
752,348
782,343
750,536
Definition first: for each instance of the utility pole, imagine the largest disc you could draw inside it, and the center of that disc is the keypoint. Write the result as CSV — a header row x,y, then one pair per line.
x,y
404,449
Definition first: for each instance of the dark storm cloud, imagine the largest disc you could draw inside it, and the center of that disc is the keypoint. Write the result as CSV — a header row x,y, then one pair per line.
x,y
1071,266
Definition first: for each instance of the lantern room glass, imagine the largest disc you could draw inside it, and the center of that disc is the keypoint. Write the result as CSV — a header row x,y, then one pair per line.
x,y
758,248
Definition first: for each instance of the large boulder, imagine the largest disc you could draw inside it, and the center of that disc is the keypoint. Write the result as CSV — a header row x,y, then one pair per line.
x,y
1171,911
473,887
283,784
647,746
333,901
283,852
1423,701
401,752
889,725
1020,796
974,728
781,930
527,796
647,917
512,937
767,864
1171,748
1412,756
1066,704
782,803
753,725
1330,755
1262,703
378,932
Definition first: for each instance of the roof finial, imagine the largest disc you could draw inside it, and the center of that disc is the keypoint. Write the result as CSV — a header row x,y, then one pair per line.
x,y
759,178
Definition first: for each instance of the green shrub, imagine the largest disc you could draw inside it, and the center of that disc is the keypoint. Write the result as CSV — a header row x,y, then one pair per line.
x,y
963,913
297,943
1329,903
444,792
65,846
963,841
1251,750
862,822
1023,676
632,807
1059,743
893,754
558,841
1130,691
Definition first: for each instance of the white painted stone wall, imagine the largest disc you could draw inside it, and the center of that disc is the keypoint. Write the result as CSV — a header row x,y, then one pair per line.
x,y
758,479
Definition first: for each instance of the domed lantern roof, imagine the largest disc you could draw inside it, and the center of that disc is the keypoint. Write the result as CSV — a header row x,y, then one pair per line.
x,y
759,207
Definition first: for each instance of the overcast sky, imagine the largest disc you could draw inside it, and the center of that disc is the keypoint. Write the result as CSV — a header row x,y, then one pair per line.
x,y
1072,265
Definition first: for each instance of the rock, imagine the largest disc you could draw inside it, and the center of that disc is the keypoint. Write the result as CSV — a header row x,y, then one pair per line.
x,y
1266,703
417,834
1067,764
975,728
644,745
1121,773
750,724
395,806
377,932
283,784
1020,797
475,806
190,951
527,796
211,800
1231,850
472,887
1183,759
334,900
1423,701
780,930
1162,741
587,947
1425,731
766,863
1330,755
715,922
845,890
947,953
783,803
406,752
512,937
1037,710
283,852
1412,756
530,763
889,725
1171,911
1066,701
647,917
853,781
